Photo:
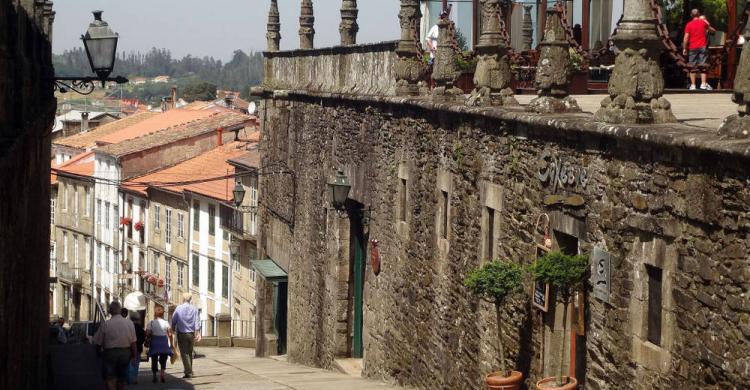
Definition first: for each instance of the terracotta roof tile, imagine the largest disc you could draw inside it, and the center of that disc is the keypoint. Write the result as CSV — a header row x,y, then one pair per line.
x,y
153,124
250,159
209,165
227,120
80,165
88,139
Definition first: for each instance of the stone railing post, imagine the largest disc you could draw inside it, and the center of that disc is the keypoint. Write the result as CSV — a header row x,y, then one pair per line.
x,y
738,125
492,76
553,69
306,25
636,85
444,70
349,26
273,28
410,70
527,28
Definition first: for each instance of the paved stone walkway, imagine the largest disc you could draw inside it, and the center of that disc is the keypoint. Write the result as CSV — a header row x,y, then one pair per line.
x,y
239,369
696,109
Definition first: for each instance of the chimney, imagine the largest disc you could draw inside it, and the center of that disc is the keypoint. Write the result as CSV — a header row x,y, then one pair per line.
x,y
84,122
228,101
219,134
174,96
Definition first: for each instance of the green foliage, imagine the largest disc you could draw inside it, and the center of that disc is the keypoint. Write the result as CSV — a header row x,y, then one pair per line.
x,y
565,272
576,60
466,66
495,280
463,44
676,12
199,91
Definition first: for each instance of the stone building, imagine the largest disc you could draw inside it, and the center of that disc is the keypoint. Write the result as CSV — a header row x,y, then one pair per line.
x,y
440,188
27,109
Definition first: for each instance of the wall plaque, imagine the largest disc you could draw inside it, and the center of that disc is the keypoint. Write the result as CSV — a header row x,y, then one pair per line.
x,y
559,173
600,277
540,293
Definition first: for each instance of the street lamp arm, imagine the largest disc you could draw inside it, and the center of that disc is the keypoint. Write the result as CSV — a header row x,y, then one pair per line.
x,y
83,85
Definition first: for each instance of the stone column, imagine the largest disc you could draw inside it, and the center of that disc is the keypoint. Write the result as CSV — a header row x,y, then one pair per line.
x,y
410,70
637,84
553,69
738,126
349,26
444,70
273,28
306,25
492,76
527,28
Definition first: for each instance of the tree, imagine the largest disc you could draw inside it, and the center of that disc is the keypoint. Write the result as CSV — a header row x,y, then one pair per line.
x,y
494,282
199,91
566,273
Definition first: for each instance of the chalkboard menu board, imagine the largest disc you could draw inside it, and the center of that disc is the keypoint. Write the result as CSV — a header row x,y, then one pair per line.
x,y
540,294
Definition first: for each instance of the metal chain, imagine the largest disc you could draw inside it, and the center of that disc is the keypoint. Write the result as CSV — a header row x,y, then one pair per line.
x,y
570,36
418,45
515,57
454,43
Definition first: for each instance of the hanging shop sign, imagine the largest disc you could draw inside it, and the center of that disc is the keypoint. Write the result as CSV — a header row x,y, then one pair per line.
x,y
540,294
600,273
560,174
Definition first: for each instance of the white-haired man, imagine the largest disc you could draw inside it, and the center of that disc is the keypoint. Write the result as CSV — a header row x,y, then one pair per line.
x,y
187,323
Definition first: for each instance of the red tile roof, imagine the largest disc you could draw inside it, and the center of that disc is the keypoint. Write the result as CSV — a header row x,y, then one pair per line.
x,y
153,124
198,175
88,139
80,165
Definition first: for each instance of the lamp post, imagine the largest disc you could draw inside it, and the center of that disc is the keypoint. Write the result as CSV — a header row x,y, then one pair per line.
x,y
339,192
100,43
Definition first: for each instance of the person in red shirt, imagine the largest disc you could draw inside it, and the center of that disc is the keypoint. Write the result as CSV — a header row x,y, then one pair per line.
x,y
695,44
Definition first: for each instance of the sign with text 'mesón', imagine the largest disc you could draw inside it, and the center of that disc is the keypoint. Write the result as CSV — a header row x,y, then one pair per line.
x,y
540,293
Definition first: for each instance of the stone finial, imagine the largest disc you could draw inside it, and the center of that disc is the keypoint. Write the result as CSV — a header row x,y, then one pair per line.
x,y
738,125
492,76
306,25
553,69
273,35
527,28
636,85
444,70
349,26
410,69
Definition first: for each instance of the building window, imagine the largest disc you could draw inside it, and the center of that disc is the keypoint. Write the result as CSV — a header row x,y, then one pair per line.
x,y
444,216
116,262
52,211
107,263
155,264
225,281
99,255
654,304
180,225
196,270
180,274
87,205
88,253
402,200
116,212
52,257
168,226
98,215
168,273
75,251
75,200
157,217
65,197
211,275
196,215
106,215
252,274
211,220
490,233
65,247
236,261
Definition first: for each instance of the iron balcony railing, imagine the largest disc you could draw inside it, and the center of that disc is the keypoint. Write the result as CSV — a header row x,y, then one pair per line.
x,y
69,273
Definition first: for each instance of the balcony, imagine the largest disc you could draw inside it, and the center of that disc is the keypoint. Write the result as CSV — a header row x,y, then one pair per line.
x,y
70,274
238,222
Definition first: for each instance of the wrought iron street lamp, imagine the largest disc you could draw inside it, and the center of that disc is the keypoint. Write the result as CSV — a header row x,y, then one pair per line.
x,y
100,43
339,190
238,193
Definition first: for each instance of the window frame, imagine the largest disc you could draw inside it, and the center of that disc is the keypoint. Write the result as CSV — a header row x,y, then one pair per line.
x,y
211,279
196,270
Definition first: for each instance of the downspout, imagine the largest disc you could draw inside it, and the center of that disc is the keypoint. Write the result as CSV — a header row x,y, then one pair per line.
x,y
92,249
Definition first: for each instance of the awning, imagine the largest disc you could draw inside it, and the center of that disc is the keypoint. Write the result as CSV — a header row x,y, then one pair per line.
x,y
135,301
269,270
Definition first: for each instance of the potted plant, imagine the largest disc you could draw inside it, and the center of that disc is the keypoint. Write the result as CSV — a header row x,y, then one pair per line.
x,y
566,273
494,282
579,77
138,226
125,221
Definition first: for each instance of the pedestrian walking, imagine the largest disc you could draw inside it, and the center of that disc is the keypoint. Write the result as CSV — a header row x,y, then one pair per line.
x,y
117,337
695,46
140,338
186,322
62,334
160,333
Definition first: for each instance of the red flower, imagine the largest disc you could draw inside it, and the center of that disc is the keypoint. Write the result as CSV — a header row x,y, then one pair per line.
x,y
125,221
138,226
161,282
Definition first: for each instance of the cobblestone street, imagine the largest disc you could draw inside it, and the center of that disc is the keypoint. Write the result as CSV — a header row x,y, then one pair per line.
x,y
239,369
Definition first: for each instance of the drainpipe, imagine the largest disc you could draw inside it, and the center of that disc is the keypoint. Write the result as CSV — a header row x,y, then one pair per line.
x,y
219,134
84,122
92,249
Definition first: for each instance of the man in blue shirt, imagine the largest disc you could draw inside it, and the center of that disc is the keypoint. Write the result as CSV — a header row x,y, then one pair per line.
x,y
187,323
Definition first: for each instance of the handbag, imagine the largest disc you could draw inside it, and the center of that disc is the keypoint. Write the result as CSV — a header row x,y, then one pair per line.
x,y
147,341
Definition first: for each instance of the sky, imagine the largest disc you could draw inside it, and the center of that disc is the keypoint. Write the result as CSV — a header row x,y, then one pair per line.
x,y
215,27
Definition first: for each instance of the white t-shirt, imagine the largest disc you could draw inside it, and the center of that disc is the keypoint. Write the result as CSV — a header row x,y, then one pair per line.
x,y
117,332
157,327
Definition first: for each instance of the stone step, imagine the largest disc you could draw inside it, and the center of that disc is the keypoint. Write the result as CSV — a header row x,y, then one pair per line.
x,y
349,366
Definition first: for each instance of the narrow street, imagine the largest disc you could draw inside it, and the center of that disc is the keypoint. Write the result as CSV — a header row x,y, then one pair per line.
x,y
237,368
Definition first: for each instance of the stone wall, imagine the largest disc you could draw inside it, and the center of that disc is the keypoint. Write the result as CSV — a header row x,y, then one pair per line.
x,y
362,69
27,108
666,196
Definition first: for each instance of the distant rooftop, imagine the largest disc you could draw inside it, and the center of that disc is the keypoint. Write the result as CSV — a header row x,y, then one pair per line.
x,y
88,139
153,124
